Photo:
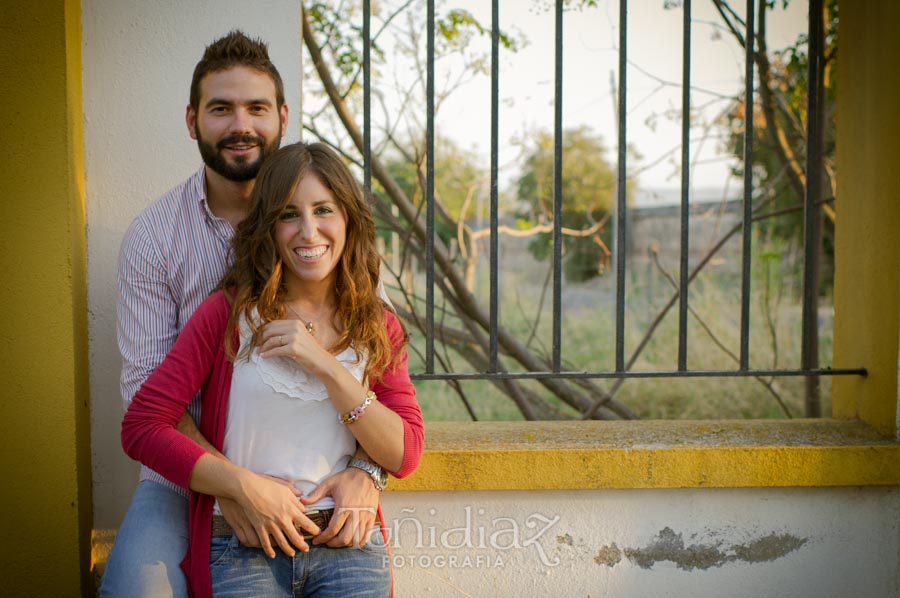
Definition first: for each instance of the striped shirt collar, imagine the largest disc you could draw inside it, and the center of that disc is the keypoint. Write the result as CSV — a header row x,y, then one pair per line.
x,y
222,227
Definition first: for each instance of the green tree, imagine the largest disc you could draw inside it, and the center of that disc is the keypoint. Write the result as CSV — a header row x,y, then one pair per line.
x,y
588,187
458,177
461,188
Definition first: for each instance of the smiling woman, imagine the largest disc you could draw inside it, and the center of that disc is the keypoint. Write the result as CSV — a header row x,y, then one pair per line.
x,y
286,400
310,235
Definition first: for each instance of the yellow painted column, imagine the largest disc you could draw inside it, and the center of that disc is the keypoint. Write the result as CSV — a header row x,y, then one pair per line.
x,y
867,232
46,500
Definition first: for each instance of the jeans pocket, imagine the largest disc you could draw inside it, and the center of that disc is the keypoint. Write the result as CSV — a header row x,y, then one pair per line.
x,y
220,549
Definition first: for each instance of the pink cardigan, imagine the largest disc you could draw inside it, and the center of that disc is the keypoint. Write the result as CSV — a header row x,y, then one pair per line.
x,y
197,362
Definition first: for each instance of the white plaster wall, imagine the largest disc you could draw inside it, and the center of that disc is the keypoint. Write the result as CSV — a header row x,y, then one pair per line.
x,y
138,59
830,542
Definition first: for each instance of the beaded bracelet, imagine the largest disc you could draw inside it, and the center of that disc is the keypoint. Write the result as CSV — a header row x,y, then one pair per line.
x,y
357,412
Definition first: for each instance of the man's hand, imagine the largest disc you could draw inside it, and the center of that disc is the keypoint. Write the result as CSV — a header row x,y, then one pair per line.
x,y
355,506
237,519
188,427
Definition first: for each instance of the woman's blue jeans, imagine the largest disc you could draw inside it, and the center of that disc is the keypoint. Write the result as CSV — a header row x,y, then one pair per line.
x,y
323,572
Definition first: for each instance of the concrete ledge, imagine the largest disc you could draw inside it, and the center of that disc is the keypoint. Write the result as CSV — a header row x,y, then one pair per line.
x,y
653,454
579,455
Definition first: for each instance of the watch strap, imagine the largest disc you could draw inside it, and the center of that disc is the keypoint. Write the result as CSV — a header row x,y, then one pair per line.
x,y
375,471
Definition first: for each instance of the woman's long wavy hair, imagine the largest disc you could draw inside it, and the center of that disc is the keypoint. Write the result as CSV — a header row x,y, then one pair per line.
x,y
255,281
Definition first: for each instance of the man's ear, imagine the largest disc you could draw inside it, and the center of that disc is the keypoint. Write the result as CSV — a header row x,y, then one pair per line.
x,y
190,118
284,119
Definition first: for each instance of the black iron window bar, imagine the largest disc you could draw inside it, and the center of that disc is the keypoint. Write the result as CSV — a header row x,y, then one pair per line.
x,y
809,359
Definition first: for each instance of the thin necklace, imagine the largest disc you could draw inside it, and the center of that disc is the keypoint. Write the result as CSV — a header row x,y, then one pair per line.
x,y
309,325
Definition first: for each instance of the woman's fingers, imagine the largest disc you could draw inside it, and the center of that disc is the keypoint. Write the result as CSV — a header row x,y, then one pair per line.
x,y
286,536
265,542
283,543
295,537
296,491
305,524
275,338
273,507
348,527
284,338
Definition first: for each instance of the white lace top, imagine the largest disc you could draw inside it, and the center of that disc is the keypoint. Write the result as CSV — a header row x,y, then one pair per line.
x,y
280,422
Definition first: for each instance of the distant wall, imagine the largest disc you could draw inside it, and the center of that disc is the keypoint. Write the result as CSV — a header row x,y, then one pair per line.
x,y
659,228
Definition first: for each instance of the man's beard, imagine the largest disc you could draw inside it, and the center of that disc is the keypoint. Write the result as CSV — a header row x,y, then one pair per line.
x,y
242,169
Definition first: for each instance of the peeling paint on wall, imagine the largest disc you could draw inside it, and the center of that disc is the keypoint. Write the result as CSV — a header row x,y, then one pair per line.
x,y
669,546
608,555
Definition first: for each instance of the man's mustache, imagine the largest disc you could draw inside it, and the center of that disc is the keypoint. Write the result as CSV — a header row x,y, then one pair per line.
x,y
238,139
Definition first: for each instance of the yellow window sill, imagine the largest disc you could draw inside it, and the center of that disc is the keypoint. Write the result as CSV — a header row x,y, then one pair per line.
x,y
652,454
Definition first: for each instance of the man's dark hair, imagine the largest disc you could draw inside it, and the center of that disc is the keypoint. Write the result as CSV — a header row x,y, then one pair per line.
x,y
235,49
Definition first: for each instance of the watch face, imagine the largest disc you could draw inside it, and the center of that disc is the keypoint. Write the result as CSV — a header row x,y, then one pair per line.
x,y
379,476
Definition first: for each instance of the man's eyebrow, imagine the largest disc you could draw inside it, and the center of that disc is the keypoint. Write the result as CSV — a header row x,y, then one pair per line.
x,y
218,102
225,102
259,101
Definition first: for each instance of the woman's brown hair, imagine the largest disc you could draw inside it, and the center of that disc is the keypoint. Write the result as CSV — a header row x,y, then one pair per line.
x,y
254,281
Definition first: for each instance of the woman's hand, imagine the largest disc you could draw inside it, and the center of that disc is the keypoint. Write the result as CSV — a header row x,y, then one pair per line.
x,y
355,508
275,513
290,338
234,514
381,431
272,506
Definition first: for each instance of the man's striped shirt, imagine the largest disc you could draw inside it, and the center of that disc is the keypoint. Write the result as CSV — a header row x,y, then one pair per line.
x,y
172,256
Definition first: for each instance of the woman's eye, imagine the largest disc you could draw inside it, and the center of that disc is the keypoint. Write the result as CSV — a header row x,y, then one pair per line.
x,y
287,215
324,210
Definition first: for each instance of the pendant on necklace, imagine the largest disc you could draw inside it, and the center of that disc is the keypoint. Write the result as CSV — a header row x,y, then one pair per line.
x,y
309,325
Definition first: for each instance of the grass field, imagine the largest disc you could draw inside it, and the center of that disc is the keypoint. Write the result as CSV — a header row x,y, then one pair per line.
x,y
588,341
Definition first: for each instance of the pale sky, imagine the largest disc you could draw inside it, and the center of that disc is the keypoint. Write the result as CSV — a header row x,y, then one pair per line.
x,y
590,67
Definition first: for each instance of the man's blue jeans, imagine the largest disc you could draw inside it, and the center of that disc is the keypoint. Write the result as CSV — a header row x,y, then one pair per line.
x,y
323,572
150,545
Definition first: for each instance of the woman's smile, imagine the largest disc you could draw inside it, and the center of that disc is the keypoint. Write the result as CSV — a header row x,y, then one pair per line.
x,y
310,253
310,234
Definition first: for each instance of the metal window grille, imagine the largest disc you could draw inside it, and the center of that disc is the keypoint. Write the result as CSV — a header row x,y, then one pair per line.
x,y
809,362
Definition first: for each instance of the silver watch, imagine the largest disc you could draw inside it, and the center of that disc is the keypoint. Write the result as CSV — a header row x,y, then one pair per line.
x,y
376,472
